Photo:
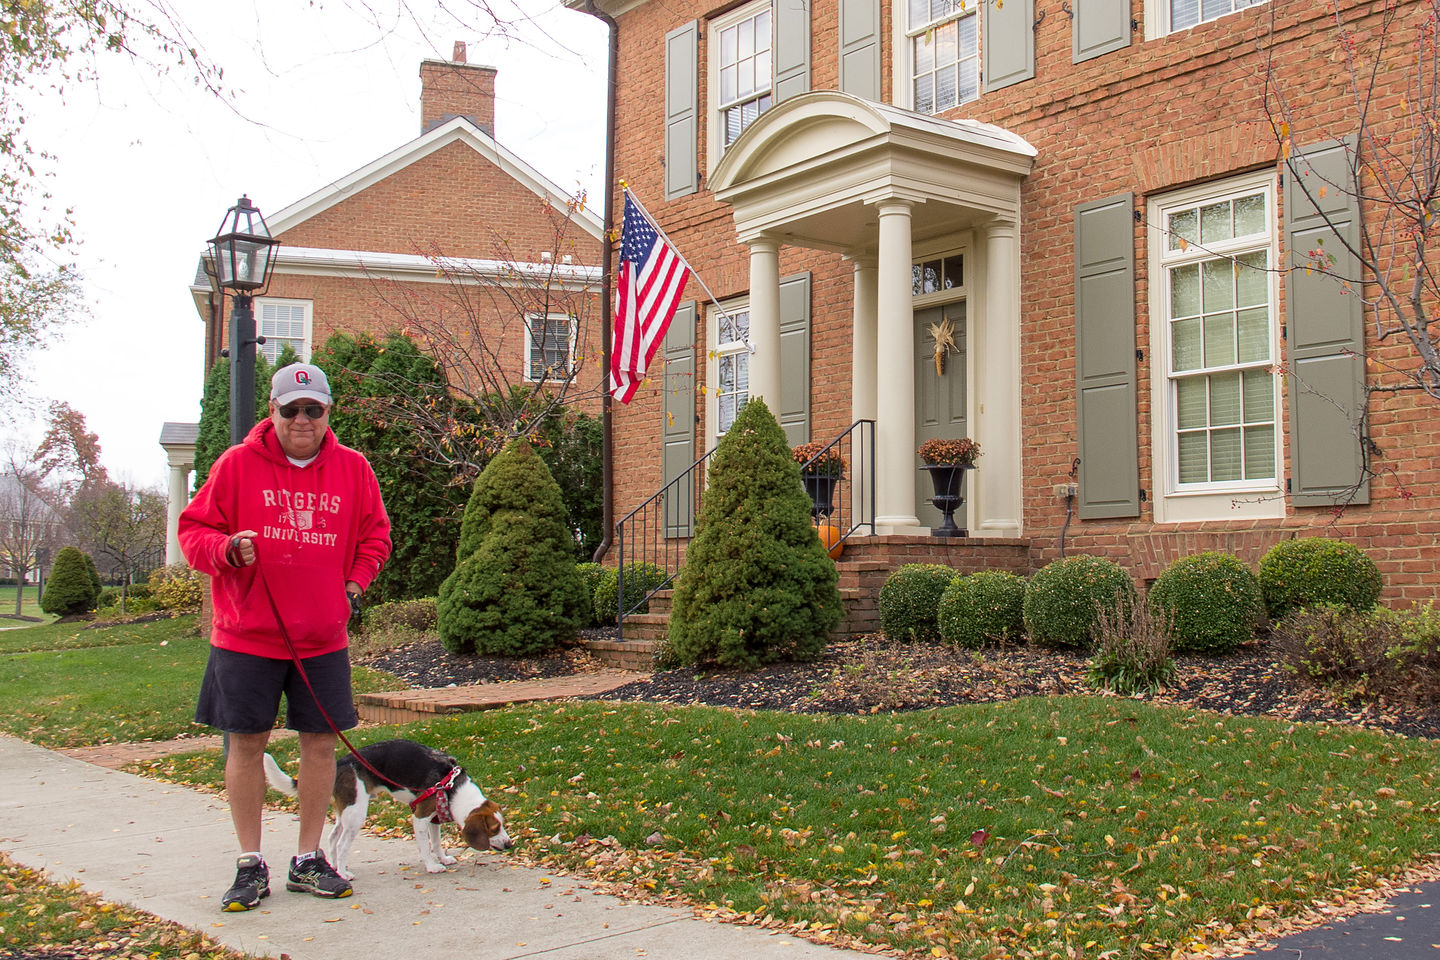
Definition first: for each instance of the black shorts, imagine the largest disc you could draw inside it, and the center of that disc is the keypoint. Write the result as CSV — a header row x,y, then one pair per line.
x,y
241,693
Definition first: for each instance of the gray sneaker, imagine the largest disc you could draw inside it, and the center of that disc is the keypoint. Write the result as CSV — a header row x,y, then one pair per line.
x,y
315,875
252,884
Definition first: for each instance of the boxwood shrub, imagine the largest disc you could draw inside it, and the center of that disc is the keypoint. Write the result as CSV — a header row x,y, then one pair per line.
x,y
1299,573
640,579
988,605
1062,600
1211,601
910,601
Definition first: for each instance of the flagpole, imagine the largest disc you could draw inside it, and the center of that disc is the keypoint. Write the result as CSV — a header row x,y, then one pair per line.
x,y
680,256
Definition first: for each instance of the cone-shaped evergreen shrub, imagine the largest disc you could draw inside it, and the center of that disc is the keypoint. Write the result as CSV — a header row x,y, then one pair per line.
x,y
758,586
516,592
70,588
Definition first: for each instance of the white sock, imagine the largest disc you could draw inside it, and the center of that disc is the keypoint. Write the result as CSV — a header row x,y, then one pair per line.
x,y
251,853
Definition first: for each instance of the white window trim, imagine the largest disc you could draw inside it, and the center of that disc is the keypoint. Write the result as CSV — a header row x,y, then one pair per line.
x,y
307,343
903,85
715,148
712,364
530,345
1157,18
1239,500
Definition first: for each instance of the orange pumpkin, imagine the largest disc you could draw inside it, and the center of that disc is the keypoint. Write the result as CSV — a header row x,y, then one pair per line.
x,y
830,536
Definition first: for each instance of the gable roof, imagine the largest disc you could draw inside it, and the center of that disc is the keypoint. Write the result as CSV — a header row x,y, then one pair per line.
x,y
456,130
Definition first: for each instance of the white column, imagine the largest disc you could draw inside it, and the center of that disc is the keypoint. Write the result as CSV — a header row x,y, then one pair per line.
x,y
765,322
895,371
862,380
998,478
180,468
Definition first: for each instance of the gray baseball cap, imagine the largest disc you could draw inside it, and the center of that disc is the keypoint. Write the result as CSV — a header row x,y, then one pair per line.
x,y
299,381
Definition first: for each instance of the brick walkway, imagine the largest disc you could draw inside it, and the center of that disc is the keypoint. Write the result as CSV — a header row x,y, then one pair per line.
x,y
396,706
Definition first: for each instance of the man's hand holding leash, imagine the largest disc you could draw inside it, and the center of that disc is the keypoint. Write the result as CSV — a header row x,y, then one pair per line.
x,y
241,552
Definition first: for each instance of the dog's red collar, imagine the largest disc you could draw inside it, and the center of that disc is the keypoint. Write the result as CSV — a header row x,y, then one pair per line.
x,y
441,795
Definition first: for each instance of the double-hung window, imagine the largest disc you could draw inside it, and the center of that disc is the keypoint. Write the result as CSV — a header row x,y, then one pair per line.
x,y
743,69
548,347
283,323
1216,336
943,37
729,366
1171,16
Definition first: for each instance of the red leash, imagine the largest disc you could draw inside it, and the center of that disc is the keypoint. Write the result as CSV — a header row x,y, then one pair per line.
x,y
295,658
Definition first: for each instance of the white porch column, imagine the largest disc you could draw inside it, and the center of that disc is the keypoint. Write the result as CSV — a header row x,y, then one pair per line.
x,y
862,378
895,369
998,478
765,322
181,463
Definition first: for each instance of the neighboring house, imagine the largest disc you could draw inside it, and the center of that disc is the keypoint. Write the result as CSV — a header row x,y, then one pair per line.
x,y
354,249
1090,193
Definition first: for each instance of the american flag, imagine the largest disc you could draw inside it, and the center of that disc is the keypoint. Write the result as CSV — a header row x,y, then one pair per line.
x,y
652,279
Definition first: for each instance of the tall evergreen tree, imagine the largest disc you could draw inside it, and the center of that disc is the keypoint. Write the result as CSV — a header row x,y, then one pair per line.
x,y
367,378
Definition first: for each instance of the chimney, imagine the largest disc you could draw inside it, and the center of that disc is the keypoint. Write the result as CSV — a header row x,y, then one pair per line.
x,y
454,88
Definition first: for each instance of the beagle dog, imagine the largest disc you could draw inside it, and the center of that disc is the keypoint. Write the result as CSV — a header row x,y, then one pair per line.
x,y
431,782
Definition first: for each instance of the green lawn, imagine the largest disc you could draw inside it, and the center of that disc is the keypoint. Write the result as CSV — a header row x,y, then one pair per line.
x,y
29,607
1057,827
65,685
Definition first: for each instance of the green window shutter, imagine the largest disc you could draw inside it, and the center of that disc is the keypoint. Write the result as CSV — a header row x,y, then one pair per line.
x,y
1100,27
860,48
682,98
677,432
1326,330
1009,42
1105,359
794,406
792,48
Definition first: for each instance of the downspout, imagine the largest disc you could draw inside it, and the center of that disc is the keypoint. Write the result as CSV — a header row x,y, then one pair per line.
x,y
607,447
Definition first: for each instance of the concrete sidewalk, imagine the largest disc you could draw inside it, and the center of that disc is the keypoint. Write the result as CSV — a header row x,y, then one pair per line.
x,y
170,851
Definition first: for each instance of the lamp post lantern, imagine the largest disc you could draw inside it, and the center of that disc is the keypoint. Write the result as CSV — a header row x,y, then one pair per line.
x,y
242,254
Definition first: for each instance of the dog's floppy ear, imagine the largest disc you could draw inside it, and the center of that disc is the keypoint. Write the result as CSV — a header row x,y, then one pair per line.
x,y
482,824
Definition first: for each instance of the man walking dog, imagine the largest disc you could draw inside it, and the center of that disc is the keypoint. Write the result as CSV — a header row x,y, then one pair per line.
x,y
291,529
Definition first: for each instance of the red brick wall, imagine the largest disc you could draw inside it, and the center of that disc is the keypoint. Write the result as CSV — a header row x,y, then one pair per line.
x,y
456,90
1156,116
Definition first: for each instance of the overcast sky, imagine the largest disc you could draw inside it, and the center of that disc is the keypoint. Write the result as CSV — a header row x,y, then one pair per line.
x,y
150,165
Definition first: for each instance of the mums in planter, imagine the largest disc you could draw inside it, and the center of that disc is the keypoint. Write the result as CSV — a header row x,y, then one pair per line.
x,y
820,469
947,461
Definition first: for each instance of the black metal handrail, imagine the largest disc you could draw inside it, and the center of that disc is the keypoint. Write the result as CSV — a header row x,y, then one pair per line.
x,y
659,525
855,491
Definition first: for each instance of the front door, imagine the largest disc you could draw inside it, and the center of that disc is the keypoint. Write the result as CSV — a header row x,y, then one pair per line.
x,y
939,396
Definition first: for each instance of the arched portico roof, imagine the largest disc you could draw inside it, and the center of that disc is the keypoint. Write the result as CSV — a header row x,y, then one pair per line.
x,y
810,171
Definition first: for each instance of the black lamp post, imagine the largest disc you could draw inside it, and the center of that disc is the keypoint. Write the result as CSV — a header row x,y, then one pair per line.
x,y
242,253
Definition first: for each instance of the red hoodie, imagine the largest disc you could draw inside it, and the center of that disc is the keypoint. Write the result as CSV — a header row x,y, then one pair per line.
x,y
320,525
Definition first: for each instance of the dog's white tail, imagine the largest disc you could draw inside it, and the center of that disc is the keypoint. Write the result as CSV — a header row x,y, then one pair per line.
x,y
279,779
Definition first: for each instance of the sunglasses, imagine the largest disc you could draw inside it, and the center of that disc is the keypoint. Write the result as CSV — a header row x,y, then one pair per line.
x,y
314,411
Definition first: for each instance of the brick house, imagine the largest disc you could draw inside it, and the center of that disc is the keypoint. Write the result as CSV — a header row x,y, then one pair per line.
x,y
362,254
1090,193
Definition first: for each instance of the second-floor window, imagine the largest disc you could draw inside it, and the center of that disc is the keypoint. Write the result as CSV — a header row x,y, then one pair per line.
x,y
548,347
743,69
944,42
283,323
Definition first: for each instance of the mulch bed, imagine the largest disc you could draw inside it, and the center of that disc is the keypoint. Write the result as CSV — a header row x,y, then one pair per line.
x,y
870,675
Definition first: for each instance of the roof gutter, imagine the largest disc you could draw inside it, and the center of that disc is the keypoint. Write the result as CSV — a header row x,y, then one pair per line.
x,y
607,447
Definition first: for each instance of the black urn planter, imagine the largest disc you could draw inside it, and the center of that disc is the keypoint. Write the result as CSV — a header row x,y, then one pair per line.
x,y
822,493
948,480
